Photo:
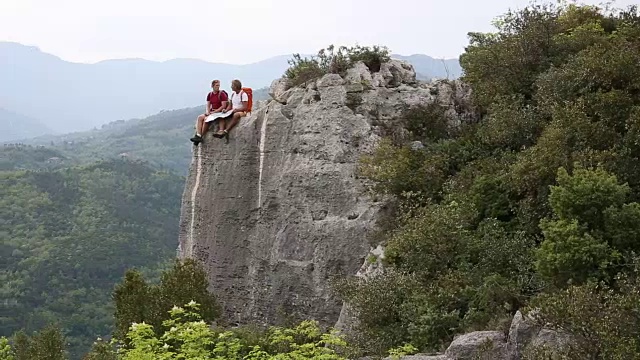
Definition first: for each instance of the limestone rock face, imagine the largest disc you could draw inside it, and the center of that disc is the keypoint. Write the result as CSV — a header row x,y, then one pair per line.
x,y
278,210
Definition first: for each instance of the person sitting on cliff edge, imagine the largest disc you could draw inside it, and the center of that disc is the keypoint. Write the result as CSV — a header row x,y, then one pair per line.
x,y
216,102
240,104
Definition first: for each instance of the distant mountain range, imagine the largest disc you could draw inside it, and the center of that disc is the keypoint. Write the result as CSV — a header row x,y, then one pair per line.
x,y
17,126
70,96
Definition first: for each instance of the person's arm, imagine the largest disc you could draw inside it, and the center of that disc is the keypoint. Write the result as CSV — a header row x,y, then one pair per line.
x,y
229,103
208,106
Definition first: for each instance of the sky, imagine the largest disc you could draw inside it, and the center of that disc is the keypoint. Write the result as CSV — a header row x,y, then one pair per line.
x,y
245,31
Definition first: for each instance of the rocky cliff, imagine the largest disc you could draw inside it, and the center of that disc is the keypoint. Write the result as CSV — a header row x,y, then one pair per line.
x,y
279,210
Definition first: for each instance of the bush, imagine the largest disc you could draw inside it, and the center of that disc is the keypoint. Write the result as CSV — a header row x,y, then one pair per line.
x,y
332,60
603,321
591,230
47,344
427,123
185,335
6,353
443,277
136,301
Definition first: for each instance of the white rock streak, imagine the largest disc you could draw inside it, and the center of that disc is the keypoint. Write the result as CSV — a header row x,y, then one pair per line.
x,y
188,250
263,139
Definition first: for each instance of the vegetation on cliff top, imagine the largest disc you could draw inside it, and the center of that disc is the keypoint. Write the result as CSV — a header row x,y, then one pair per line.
x,y
334,60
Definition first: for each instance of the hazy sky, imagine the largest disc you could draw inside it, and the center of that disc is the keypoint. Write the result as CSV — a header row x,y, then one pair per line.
x,y
244,31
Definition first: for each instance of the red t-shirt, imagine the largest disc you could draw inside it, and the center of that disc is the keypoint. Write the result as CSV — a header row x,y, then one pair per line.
x,y
217,99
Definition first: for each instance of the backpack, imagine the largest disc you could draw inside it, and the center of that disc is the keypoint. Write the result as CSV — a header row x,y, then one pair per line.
x,y
249,93
220,95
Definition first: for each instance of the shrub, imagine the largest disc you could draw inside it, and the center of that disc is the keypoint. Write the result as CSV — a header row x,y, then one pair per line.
x,y
603,321
332,60
443,277
6,353
185,335
46,344
302,70
427,122
136,301
591,230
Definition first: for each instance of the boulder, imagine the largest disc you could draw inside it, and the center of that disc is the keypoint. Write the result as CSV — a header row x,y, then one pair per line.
x,y
523,329
478,345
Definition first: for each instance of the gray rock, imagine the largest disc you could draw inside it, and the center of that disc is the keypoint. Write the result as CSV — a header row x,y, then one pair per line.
x,y
416,145
278,89
394,73
478,344
523,329
359,75
551,339
278,211
347,318
330,80
421,357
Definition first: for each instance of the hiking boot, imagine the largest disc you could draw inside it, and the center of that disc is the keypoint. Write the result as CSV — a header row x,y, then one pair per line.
x,y
219,134
196,139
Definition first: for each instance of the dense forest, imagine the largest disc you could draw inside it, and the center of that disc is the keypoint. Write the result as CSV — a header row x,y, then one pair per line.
x,y
536,205
68,235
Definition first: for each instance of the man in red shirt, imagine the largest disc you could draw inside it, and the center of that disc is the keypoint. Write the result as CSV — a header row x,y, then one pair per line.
x,y
216,102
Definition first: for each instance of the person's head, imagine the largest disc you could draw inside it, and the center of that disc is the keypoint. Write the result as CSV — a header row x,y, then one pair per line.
x,y
236,85
215,85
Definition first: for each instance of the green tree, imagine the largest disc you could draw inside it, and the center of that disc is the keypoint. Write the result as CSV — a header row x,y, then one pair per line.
x,y
70,234
101,350
47,344
138,302
592,228
133,302
603,321
484,219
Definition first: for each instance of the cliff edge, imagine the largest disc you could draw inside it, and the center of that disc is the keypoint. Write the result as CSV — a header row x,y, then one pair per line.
x,y
279,210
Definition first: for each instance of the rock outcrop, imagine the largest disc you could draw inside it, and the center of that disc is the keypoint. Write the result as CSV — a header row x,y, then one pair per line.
x,y
279,210
525,334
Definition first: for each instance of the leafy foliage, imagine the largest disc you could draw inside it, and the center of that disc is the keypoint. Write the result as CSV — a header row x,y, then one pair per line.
x,y
137,302
538,196
334,60
47,344
592,230
185,335
602,321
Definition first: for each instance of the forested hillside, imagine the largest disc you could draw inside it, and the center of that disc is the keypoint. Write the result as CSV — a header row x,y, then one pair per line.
x,y
27,157
68,235
535,205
